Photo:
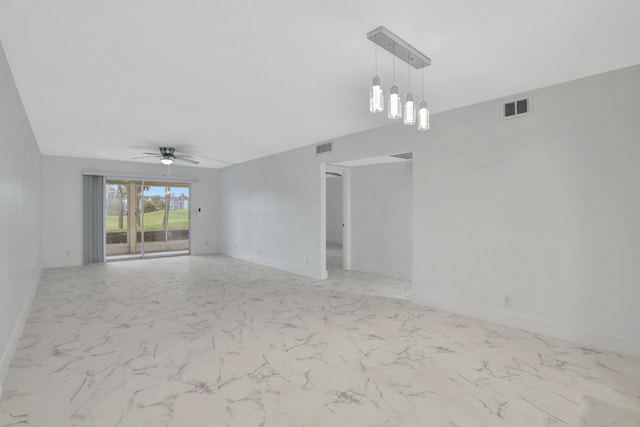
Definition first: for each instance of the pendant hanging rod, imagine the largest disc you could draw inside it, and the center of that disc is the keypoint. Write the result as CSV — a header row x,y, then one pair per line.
x,y
399,48
375,55
409,70
393,62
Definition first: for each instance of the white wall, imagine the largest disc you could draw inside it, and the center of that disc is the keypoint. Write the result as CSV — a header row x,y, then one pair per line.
x,y
269,210
273,211
62,204
19,216
334,209
381,217
544,208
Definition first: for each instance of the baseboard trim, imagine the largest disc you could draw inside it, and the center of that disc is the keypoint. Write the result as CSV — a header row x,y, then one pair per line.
x,y
18,327
289,268
574,333
381,271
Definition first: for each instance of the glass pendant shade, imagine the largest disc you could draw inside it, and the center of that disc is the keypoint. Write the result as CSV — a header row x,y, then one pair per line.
x,y
395,104
376,97
409,110
423,116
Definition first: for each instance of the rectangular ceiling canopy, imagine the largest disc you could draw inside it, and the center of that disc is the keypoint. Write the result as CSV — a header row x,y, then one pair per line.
x,y
398,47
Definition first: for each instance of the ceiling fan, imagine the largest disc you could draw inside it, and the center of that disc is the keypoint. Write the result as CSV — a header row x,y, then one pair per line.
x,y
168,155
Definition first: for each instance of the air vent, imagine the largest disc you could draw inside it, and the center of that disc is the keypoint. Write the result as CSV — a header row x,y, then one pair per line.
x,y
516,108
324,148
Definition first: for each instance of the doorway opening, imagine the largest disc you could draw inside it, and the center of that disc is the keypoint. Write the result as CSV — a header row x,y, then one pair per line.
x,y
146,218
368,219
335,218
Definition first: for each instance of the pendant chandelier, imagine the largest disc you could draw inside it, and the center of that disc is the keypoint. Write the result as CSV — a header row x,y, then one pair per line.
x,y
398,48
395,104
376,99
423,111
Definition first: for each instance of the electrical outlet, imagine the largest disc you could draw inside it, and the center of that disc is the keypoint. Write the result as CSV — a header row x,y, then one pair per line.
x,y
507,301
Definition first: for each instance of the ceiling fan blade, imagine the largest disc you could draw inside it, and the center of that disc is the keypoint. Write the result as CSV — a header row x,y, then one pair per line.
x,y
214,159
184,154
187,160
144,157
152,154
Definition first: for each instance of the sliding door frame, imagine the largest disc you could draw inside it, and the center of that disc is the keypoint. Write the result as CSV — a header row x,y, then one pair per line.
x,y
140,180
163,181
104,219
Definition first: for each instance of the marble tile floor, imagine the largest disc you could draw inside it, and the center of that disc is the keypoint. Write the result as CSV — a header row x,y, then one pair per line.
x,y
361,283
215,341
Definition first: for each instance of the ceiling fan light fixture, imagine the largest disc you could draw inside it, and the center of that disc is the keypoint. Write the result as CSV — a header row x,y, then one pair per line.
x,y
167,156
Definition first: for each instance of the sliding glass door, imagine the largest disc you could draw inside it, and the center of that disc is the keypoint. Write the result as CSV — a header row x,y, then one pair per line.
x,y
121,214
146,218
166,217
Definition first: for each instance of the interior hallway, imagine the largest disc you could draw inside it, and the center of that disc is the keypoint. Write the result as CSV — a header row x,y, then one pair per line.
x,y
212,340
359,282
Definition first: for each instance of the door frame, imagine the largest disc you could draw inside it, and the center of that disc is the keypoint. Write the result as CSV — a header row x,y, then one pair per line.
x,y
133,182
346,214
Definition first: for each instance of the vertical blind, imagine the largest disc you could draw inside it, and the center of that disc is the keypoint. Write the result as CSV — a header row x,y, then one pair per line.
x,y
93,219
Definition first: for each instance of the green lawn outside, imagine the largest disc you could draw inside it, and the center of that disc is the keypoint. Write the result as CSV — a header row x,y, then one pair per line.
x,y
178,218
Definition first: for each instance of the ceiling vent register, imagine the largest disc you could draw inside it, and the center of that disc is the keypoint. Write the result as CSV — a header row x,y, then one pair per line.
x,y
324,148
516,108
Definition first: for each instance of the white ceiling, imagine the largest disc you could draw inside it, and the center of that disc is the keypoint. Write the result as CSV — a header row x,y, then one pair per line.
x,y
236,80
